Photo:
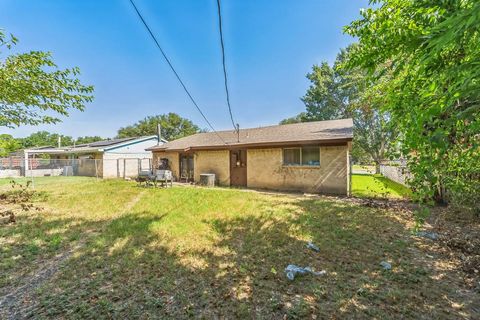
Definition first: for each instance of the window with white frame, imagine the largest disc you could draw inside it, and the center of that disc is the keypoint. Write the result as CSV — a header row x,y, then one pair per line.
x,y
305,156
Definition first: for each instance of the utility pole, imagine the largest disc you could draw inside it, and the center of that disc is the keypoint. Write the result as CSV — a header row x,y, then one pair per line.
x,y
238,132
159,133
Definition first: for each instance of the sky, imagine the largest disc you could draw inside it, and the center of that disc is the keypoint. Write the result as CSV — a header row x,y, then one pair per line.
x,y
270,46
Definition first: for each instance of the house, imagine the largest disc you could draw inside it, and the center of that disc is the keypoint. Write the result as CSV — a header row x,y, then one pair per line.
x,y
309,157
112,158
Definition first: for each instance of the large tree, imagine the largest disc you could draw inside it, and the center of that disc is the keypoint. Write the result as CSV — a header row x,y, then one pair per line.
x,y
10,144
432,49
33,90
173,127
88,139
45,138
337,92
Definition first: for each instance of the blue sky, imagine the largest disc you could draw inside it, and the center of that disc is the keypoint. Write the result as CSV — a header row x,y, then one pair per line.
x,y
270,46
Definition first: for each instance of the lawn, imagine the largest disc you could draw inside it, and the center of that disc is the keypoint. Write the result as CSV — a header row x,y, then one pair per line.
x,y
377,186
363,168
109,249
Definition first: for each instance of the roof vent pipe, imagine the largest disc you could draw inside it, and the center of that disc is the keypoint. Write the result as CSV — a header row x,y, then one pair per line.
x,y
59,141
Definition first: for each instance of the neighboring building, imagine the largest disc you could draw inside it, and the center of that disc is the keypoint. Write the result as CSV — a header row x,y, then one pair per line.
x,y
310,157
106,159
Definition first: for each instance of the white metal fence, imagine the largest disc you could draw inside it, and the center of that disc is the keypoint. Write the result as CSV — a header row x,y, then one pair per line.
x,y
101,168
395,170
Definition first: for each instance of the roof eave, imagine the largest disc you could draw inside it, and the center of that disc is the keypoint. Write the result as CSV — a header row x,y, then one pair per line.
x,y
254,145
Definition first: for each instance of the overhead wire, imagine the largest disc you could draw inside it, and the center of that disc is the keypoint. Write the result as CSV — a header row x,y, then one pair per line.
x,y
225,77
174,71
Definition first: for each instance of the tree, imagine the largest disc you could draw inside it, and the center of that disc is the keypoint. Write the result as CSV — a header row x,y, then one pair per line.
x,y
298,118
33,89
432,49
45,138
88,139
8,144
326,98
337,92
173,127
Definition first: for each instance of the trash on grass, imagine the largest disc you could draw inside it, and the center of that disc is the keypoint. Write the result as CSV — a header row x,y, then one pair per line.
x,y
310,245
386,265
292,270
428,235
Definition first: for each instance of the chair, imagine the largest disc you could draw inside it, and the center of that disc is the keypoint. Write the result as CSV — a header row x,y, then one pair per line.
x,y
146,177
164,177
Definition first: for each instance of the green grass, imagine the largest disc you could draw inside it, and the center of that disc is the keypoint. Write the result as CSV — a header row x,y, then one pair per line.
x,y
377,186
42,181
214,253
363,167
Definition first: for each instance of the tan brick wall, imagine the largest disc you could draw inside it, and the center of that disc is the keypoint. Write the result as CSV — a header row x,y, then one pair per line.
x,y
173,159
265,170
217,162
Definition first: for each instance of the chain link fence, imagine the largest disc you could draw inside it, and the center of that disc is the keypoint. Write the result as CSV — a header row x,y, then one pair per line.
x,y
11,167
395,170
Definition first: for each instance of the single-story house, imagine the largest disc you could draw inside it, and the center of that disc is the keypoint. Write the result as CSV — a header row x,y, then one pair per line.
x,y
112,158
310,157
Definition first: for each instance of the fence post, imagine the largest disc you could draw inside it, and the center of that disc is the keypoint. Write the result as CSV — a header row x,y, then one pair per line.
x,y
31,174
25,164
350,168
96,169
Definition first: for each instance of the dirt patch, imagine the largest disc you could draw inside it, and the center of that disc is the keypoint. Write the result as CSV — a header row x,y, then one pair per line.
x,y
460,238
457,246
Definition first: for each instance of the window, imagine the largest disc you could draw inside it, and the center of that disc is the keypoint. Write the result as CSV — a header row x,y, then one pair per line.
x,y
291,157
311,156
308,156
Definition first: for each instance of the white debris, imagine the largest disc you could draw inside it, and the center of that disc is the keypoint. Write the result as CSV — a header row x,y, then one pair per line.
x,y
292,270
386,265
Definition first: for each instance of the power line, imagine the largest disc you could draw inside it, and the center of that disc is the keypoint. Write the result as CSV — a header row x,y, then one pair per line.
x,y
225,78
173,69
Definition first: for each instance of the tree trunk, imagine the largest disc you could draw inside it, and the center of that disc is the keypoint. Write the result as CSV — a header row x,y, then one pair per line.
x,y
377,167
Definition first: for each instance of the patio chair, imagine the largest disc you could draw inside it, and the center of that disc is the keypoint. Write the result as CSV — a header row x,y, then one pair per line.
x,y
164,177
146,178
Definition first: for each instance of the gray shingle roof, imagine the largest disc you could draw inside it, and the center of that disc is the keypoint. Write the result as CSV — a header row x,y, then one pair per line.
x,y
105,143
317,131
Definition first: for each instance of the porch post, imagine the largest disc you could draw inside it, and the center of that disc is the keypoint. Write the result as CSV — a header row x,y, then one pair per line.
x,y
25,155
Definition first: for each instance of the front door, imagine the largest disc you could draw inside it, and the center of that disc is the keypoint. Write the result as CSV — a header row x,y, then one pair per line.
x,y
238,168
